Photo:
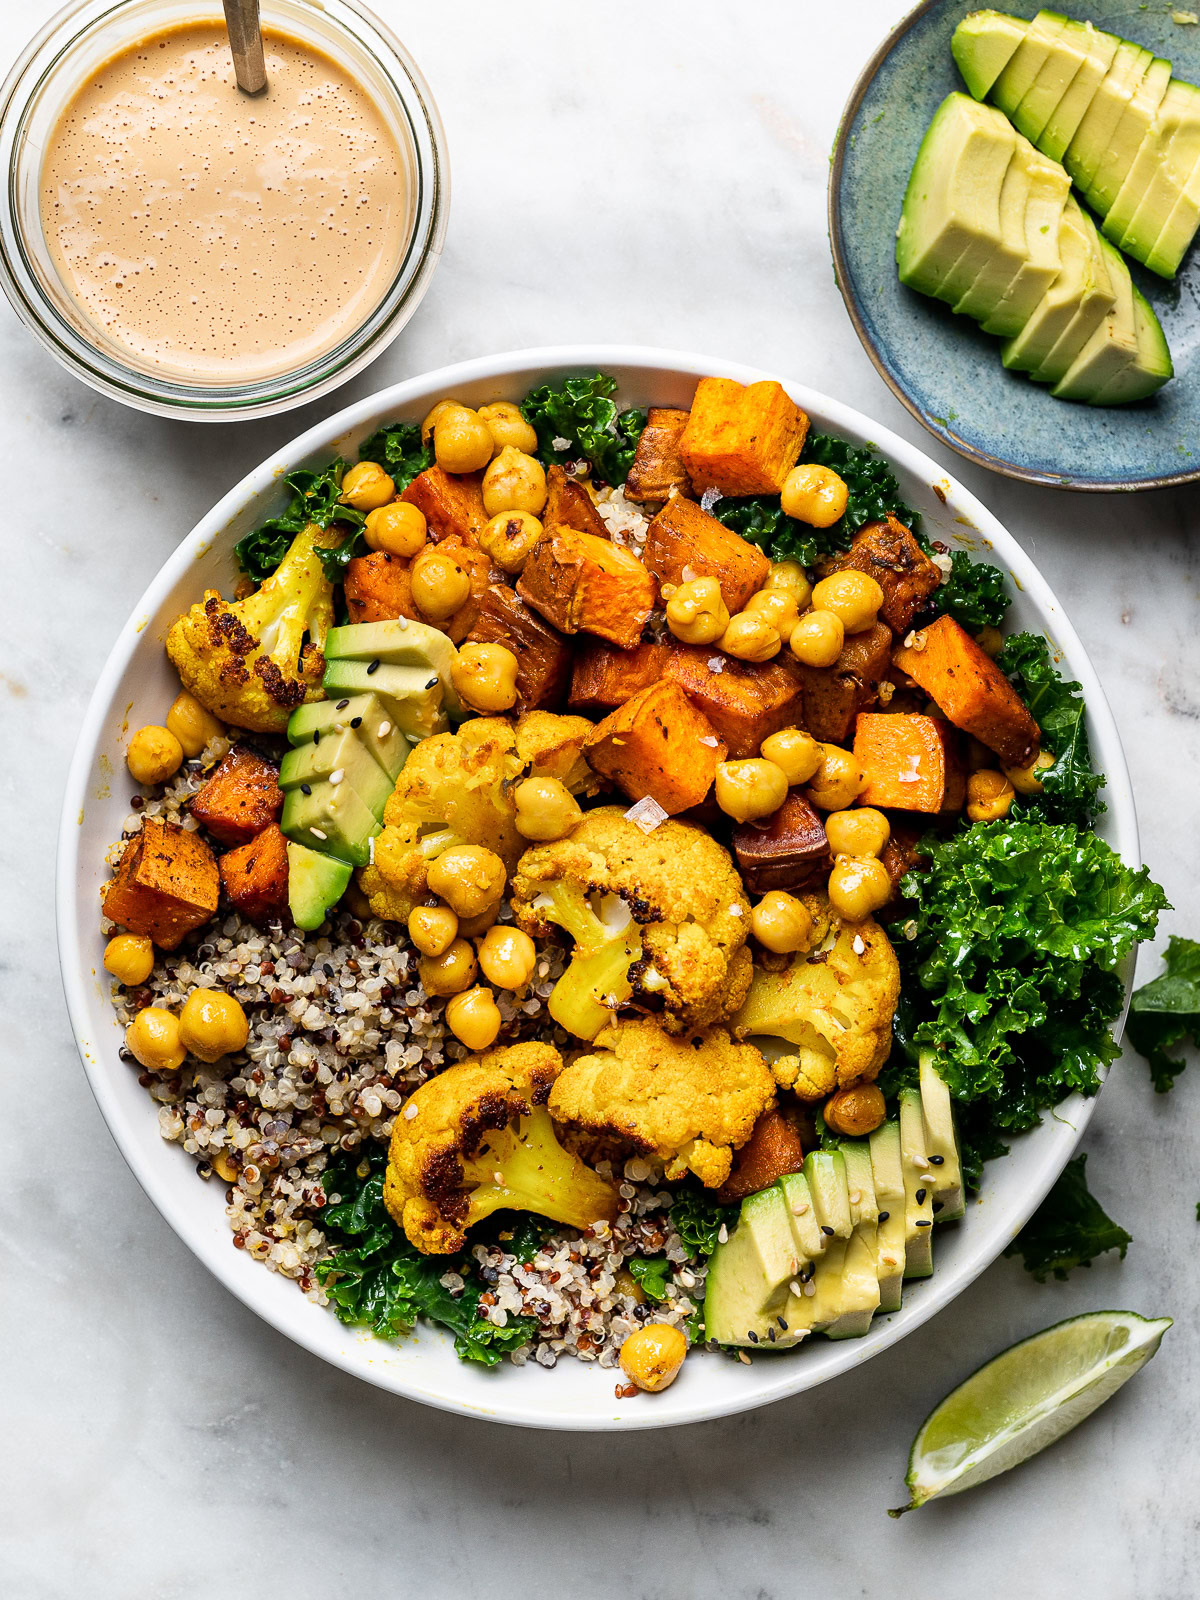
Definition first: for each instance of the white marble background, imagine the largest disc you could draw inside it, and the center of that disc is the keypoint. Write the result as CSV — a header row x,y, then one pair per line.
x,y
656,173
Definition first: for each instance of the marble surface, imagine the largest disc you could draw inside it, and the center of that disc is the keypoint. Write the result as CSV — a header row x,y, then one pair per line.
x,y
650,174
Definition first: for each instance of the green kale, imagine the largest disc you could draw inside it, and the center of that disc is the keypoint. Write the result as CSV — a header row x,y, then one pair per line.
x,y
1069,1229
973,593
397,448
1070,788
582,413
315,499
652,1273
1166,1013
698,1219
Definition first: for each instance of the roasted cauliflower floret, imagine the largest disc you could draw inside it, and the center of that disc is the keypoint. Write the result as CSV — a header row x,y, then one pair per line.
x,y
551,746
688,1101
659,922
252,662
835,1003
477,1139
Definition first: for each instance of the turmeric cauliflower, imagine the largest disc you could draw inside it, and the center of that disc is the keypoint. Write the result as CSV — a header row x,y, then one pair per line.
x,y
659,921
835,1002
690,1102
477,1139
252,662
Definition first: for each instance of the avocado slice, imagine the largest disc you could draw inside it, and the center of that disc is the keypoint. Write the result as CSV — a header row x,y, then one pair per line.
x,y
1031,55
918,1188
1113,345
1131,133
747,1298
993,279
1063,122
400,642
335,821
1065,59
860,1278
1095,302
1049,190
941,1142
1149,369
806,1230
1077,299
316,883
845,1290
1094,134
365,714
825,1171
983,44
1168,172
888,1172
344,756
413,694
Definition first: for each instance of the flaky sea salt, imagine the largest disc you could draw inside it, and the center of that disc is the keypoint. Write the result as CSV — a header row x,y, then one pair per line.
x,y
647,814
709,499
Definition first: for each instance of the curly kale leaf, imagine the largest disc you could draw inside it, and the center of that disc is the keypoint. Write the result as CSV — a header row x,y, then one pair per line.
x,y
1070,788
652,1274
397,448
1166,1013
1069,1229
698,1220
582,413
315,499
972,592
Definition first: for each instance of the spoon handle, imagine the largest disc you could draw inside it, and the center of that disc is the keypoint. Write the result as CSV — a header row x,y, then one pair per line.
x,y
245,41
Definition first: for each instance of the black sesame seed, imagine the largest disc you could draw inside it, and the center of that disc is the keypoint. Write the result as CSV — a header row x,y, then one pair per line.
x,y
808,1272
925,1224
432,684
937,1161
771,1335
884,1215
317,736
342,704
920,1197
751,1335
356,722
782,1321
306,788
372,666
826,1230
328,970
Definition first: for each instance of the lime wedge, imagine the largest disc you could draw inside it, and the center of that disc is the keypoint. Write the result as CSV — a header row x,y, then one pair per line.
x,y
1026,1398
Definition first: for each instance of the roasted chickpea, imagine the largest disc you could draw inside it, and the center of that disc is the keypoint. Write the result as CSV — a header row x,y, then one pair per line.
x,y
858,885
212,1024
781,923
989,795
152,1039
435,414
397,528
461,443
838,781
224,1166
817,639
853,597
192,724
750,637
747,790
507,427
449,973
514,482
507,957
469,877
856,1111
791,577
485,676
696,611
1025,779
439,584
795,752
154,755
130,958
652,1355
990,640
510,539
814,495
367,486
861,832
776,606
433,929
473,1017
546,809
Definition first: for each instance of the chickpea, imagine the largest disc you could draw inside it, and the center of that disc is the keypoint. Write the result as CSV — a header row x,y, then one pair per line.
x,y
469,877
652,1355
154,755
797,753
546,809
838,781
461,443
510,539
439,584
474,1018
449,973
130,958
152,1039
858,885
507,957
212,1024
856,1111
777,607
747,790
485,676
192,724
861,832
224,1166
990,640
398,528
750,637
1025,779
433,929
781,923
814,495
989,795
433,416
367,486
514,482
507,426
853,597
696,612
817,639
791,577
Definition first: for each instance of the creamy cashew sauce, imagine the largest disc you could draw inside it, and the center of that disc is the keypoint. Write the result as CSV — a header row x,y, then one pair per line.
x,y
216,236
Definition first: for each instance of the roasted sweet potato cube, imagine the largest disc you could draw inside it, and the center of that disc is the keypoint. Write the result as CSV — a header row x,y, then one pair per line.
x,y
582,584
240,799
773,1149
900,855
911,762
569,505
967,686
166,884
789,851
255,876
603,677
660,745
657,471
744,700
834,696
452,503
685,542
377,588
742,440
887,552
543,655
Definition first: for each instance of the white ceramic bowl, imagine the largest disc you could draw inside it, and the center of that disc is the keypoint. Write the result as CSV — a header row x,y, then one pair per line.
x,y
136,686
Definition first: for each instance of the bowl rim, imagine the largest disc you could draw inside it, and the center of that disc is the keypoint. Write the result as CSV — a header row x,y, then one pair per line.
x,y
305,1324
850,298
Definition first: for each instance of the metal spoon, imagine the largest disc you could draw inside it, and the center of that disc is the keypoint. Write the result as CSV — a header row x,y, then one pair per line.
x,y
245,41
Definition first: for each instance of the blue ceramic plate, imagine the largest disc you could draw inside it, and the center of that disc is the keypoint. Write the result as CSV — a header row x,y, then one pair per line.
x,y
944,368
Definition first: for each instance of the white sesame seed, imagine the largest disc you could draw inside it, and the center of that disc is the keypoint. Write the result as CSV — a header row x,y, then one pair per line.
x,y
318,833
800,1209
384,729
723,1234
810,1288
858,945
854,1196
336,776
743,1358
